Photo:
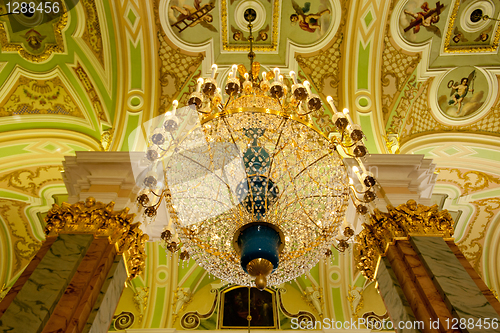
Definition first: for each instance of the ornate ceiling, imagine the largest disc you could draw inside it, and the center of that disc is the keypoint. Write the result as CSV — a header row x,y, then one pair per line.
x,y
420,77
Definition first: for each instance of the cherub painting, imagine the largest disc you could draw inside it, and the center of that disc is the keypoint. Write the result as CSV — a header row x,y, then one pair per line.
x,y
484,35
419,14
262,35
185,16
458,36
460,90
310,22
238,35
462,99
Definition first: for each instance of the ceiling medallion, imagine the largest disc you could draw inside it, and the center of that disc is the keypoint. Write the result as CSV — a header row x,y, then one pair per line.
x,y
256,193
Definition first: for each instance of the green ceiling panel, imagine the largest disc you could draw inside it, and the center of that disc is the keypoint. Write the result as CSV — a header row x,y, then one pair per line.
x,y
363,66
14,150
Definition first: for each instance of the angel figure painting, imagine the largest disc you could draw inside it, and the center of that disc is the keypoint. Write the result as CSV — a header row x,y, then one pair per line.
x,y
311,20
419,20
462,92
184,16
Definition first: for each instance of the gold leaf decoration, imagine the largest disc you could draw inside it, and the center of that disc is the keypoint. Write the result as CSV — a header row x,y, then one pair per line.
x,y
405,220
93,217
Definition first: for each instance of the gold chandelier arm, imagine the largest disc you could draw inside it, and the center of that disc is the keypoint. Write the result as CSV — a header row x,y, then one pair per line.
x,y
204,167
224,120
311,164
282,127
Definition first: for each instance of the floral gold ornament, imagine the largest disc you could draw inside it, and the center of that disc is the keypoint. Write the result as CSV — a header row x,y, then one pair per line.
x,y
256,193
94,217
408,219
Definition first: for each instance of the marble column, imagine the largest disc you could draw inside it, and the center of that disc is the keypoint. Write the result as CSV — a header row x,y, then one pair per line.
x,y
74,282
425,281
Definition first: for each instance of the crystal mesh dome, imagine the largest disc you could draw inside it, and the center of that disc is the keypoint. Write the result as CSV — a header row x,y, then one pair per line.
x,y
252,164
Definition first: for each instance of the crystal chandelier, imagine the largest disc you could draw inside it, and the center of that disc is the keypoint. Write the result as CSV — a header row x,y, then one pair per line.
x,y
256,192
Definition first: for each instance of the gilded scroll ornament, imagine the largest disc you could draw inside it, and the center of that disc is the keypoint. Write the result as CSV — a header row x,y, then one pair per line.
x,y
301,316
124,320
408,219
3,291
141,296
468,181
191,320
91,217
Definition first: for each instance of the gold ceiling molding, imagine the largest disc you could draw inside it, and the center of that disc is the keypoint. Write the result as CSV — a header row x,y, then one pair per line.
x,y
468,181
489,124
323,67
472,245
81,74
411,91
256,47
50,48
94,217
92,34
24,244
176,67
351,297
106,139
420,118
396,64
410,219
176,70
316,294
36,97
466,49
30,180
140,299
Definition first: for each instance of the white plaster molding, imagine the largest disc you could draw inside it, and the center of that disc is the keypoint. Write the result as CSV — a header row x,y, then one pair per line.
x,y
100,168
403,177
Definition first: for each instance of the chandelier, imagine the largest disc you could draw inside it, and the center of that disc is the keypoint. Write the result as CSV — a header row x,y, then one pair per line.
x,y
256,192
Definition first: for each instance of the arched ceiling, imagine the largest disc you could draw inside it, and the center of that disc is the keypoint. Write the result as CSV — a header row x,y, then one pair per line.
x,y
88,78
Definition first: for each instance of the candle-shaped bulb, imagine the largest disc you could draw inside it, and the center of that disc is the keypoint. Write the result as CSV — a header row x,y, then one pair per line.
x,y
200,82
214,70
276,73
264,76
308,87
329,99
293,76
246,76
234,70
348,116
362,166
356,171
281,78
175,103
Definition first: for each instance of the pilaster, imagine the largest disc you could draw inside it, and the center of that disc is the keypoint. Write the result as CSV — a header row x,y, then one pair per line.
x,y
421,274
75,281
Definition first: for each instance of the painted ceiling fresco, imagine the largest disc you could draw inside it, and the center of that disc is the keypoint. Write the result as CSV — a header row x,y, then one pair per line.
x,y
421,77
